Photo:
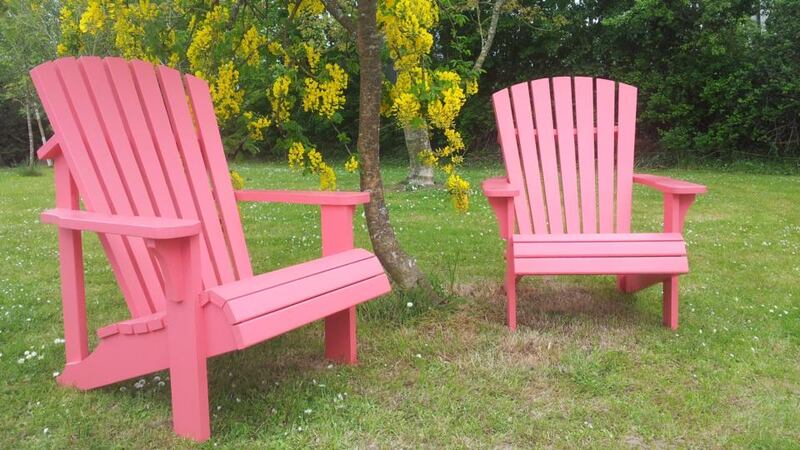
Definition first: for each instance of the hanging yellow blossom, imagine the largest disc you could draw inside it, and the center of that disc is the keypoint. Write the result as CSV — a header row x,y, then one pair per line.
x,y
93,18
428,158
406,24
406,107
225,92
297,156
279,99
443,112
249,45
306,8
352,164
236,180
312,56
256,125
472,87
327,177
208,31
459,191
327,97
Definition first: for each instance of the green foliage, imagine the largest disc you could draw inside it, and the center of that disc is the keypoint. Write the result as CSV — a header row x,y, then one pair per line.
x,y
712,82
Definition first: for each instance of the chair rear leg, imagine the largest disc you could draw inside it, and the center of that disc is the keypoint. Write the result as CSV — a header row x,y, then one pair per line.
x,y
670,302
340,336
511,306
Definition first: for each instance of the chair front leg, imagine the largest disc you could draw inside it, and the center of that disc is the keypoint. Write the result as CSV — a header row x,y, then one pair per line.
x,y
180,262
340,328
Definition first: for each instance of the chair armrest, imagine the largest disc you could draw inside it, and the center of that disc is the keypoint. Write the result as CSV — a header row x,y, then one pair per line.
x,y
144,227
498,187
304,197
669,185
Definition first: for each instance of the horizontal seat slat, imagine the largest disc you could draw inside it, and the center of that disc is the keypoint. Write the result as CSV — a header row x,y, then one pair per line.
x,y
599,237
602,265
301,289
221,294
598,249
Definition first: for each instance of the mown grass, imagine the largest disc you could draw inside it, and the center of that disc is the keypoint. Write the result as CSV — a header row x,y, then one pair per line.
x,y
588,366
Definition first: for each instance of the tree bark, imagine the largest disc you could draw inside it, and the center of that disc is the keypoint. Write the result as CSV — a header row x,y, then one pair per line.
x,y
401,267
417,140
41,129
31,144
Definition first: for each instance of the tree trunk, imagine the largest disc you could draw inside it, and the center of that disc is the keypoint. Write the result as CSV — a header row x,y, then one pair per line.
x,y
31,144
417,140
402,268
41,129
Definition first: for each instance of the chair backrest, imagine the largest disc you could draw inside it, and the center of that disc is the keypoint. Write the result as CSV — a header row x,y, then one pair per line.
x,y
143,140
568,147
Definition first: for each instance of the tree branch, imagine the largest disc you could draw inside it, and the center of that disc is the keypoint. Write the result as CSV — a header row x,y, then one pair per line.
x,y
487,43
335,10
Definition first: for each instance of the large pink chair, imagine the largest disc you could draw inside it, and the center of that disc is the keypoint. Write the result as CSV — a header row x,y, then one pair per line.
x,y
139,146
564,206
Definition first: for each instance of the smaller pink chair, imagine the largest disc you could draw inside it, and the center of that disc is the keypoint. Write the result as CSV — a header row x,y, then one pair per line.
x,y
565,205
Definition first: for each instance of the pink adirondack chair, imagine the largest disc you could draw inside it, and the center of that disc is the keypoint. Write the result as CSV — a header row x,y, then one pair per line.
x,y
565,205
140,147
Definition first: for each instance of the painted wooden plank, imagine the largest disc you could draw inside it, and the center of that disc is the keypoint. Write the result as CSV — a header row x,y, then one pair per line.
x,y
597,249
297,315
540,91
189,147
217,168
166,147
605,154
625,141
600,237
299,290
507,136
143,227
565,125
584,124
221,294
521,100
601,266
303,197
669,185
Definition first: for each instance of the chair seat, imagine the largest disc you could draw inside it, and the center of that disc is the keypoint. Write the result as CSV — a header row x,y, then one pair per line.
x,y
268,293
600,254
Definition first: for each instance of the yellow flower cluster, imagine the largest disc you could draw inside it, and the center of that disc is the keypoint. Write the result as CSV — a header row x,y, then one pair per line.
x,y
428,158
225,91
298,155
442,112
459,191
327,97
249,45
236,180
312,56
306,8
406,107
279,99
256,125
70,31
471,87
352,164
129,31
93,18
208,30
406,24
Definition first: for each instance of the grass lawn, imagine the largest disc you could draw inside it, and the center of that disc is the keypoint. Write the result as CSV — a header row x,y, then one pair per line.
x,y
588,366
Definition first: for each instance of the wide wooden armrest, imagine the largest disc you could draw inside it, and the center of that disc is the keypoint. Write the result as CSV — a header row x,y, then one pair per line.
x,y
144,227
499,187
304,197
669,185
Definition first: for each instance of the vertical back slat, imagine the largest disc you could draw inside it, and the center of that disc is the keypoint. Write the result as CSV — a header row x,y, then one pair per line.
x,y
214,156
181,120
111,180
584,120
565,124
605,154
521,100
540,92
157,122
626,130
508,145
